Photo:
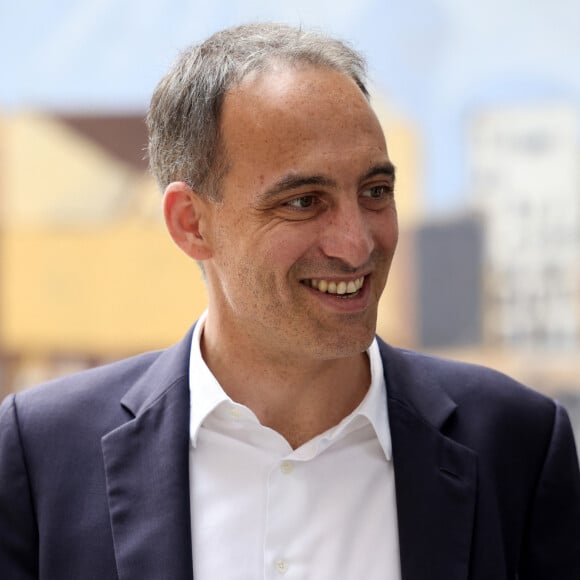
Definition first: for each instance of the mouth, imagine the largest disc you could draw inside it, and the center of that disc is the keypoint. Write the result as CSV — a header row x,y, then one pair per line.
x,y
339,288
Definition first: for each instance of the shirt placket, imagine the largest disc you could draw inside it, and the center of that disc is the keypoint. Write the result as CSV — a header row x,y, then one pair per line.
x,y
286,505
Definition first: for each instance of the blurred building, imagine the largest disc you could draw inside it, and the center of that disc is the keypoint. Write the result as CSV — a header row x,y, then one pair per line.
x,y
525,177
87,271
449,282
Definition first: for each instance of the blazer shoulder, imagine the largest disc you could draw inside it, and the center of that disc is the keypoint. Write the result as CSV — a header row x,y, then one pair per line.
x,y
459,379
90,397
484,396
99,399
99,380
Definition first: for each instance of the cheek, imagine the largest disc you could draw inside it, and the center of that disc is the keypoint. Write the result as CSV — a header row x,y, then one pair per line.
x,y
387,232
287,250
393,239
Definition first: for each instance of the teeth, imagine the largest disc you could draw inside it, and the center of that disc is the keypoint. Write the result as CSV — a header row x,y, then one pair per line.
x,y
341,287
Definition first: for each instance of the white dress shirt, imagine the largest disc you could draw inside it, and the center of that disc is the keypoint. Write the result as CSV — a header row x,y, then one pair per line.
x,y
261,510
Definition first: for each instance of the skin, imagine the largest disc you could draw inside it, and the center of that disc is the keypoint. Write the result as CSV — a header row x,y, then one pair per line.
x,y
308,194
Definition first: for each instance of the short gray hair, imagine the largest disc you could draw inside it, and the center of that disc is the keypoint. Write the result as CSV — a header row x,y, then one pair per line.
x,y
184,116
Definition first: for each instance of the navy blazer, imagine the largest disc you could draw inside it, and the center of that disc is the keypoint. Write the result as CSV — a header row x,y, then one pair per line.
x,y
94,480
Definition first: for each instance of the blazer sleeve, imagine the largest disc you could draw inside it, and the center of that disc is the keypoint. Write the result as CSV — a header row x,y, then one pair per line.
x,y
552,548
18,530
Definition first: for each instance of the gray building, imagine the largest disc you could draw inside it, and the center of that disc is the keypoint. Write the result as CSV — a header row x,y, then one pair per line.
x,y
449,260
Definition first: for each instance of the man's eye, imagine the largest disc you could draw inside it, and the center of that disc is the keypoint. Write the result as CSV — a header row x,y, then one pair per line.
x,y
378,192
303,202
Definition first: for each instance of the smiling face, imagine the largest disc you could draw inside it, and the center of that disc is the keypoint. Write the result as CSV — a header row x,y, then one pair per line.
x,y
302,241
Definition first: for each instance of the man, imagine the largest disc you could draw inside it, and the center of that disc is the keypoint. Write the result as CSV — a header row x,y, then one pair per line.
x,y
280,437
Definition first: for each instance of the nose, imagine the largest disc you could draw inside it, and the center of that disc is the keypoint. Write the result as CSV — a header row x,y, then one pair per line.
x,y
347,235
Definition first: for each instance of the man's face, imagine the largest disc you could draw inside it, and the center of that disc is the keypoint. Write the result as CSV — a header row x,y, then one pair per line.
x,y
303,238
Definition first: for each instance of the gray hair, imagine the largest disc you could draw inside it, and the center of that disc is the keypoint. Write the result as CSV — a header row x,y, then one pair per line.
x,y
184,116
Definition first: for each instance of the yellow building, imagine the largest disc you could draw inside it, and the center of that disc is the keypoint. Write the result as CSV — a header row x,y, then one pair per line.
x,y
87,272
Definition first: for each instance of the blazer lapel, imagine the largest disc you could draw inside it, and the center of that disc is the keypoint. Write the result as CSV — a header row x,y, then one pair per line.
x,y
147,471
435,477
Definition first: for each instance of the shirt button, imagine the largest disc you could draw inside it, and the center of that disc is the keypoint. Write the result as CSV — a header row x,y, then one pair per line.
x,y
281,566
286,467
234,413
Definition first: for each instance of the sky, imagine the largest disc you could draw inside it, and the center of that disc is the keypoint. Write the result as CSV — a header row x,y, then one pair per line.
x,y
435,61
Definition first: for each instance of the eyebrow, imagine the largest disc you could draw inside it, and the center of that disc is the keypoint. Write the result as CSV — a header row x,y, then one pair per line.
x,y
296,181
387,169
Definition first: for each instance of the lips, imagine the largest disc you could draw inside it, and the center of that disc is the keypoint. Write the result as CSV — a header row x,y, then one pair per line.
x,y
338,287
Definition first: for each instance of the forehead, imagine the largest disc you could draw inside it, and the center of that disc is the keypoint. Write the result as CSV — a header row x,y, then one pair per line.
x,y
284,81
287,114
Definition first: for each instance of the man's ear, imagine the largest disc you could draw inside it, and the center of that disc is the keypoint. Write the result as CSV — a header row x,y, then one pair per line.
x,y
185,213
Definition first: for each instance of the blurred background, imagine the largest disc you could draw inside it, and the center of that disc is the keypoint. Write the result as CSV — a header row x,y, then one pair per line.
x,y
480,103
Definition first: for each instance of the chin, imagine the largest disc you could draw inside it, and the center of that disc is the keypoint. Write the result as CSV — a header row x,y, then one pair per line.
x,y
348,347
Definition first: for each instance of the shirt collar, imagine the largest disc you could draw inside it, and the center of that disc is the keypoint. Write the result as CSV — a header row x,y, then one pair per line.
x,y
374,405
206,394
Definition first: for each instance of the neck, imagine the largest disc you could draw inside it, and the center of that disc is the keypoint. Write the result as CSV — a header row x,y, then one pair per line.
x,y
298,398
